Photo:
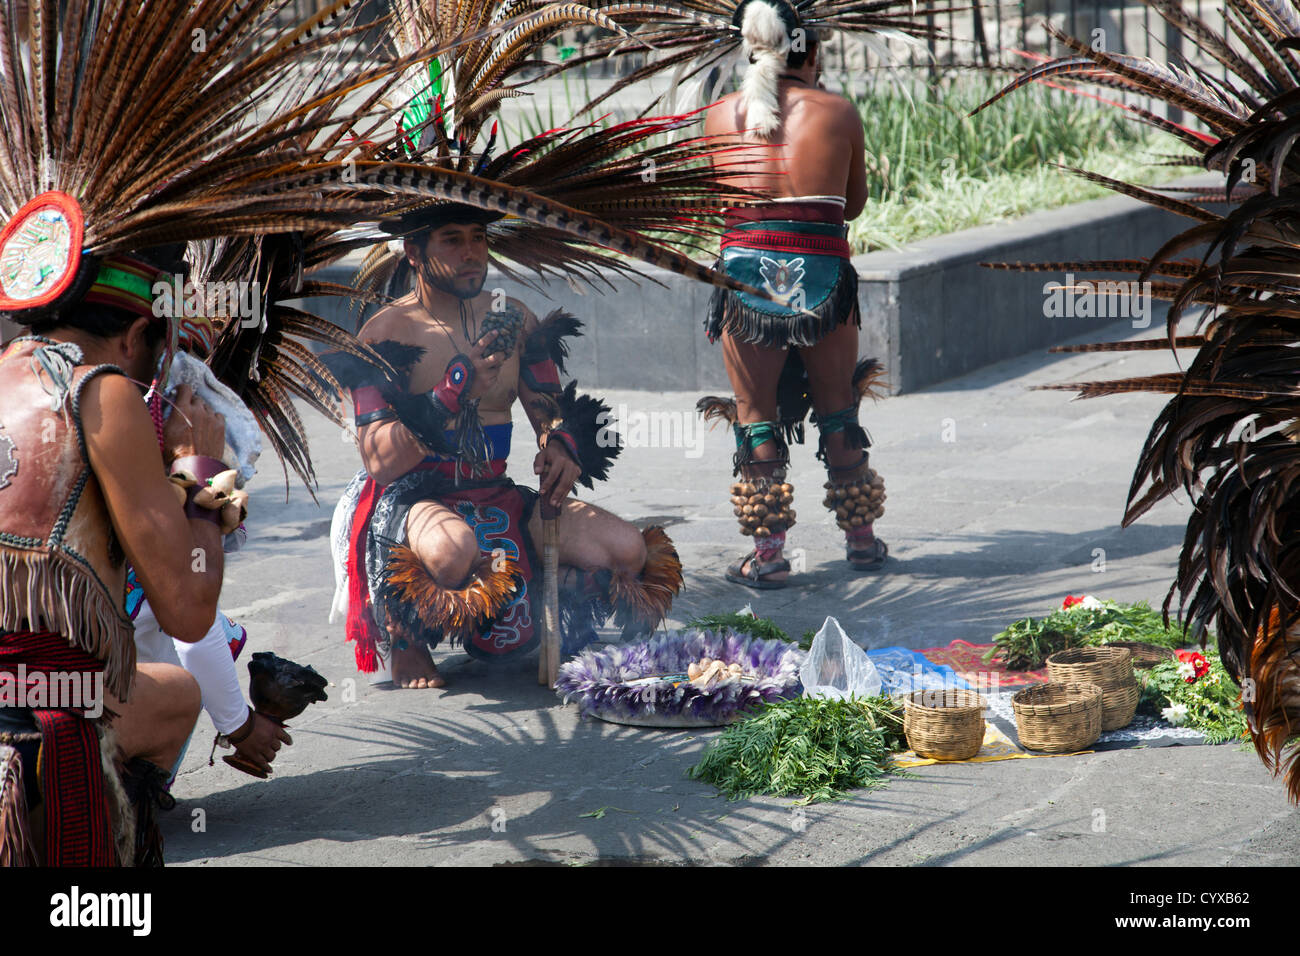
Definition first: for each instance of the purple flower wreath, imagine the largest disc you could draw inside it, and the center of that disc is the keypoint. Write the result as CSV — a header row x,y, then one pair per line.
x,y
609,683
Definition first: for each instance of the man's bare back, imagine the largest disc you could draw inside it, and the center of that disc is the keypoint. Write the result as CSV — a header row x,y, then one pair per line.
x,y
817,151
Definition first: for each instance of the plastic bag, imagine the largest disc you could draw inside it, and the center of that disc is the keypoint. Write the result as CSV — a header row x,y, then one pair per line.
x,y
836,667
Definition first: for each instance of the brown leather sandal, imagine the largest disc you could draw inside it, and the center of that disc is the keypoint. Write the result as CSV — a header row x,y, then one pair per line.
x,y
753,578
870,558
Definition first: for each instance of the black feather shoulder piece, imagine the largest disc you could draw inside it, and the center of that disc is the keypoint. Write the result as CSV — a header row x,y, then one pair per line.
x,y
586,425
547,341
353,371
419,414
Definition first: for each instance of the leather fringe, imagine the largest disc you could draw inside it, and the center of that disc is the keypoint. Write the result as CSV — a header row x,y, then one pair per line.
x,y
429,612
727,313
16,845
641,602
57,594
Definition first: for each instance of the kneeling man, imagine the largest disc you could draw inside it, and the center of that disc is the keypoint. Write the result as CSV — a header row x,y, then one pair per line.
x,y
432,540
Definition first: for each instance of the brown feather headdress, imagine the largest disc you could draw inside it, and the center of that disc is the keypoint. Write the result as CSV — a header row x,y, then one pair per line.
x,y
655,200
130,125
693,37
1228,435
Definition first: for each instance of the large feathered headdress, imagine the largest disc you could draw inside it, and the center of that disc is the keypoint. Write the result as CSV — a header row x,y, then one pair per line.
x,y
127,125
1228,435
647,200
705,42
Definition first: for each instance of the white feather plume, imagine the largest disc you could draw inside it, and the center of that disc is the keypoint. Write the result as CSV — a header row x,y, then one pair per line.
x,y
766,43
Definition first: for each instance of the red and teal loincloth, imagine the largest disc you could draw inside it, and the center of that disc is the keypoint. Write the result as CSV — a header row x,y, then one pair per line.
x,y
798,252
494,507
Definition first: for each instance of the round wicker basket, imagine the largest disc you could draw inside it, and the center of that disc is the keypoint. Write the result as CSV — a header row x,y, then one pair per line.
x,y
1111,668
1118,706
1058,718
1145,655
944,724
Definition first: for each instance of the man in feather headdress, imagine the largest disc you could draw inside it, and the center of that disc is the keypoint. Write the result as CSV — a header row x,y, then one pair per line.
x,y
439,542
807,149
92,196
432,541
86,488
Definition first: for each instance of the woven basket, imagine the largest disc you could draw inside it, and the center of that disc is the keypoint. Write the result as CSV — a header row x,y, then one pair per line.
x,y
1058,718
1145,655
1109,666
1119,705
944,724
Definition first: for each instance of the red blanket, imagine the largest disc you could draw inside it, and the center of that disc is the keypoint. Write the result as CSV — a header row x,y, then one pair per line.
x,y
968,661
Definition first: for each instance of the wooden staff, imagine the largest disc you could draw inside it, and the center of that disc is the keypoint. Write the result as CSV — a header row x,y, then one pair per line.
x,y
549,660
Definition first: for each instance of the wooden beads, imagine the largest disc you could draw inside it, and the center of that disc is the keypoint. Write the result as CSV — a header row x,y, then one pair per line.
x,y
763,506
856,501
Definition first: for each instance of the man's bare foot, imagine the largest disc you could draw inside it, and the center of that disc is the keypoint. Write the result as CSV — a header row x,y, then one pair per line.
x,y
414,669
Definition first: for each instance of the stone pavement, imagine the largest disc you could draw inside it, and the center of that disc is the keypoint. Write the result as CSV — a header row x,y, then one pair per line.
x,y
1001,501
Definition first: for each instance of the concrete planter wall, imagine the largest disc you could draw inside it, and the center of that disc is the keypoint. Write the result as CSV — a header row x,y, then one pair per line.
x,y
931,312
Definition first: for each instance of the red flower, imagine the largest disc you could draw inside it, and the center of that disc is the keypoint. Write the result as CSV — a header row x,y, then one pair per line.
x,y
1071,601
1199,664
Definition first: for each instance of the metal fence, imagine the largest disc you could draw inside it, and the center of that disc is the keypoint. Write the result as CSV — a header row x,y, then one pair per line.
x,y
1000,35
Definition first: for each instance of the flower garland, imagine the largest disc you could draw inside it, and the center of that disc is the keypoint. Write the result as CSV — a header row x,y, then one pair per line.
x,y
1196,692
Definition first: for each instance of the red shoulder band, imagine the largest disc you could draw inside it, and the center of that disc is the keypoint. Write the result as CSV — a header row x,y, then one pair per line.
x,y
367,399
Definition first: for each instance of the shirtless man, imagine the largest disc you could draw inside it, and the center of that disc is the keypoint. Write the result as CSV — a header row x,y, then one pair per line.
x,y
806,150
446,502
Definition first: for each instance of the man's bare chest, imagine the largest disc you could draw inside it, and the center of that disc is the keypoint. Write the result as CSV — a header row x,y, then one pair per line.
x,y
444,341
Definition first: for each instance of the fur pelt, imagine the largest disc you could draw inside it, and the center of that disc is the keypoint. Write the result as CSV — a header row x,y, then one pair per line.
x,y
17,847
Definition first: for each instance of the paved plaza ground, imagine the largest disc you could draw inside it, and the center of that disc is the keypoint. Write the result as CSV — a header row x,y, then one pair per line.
x,y
1001,501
